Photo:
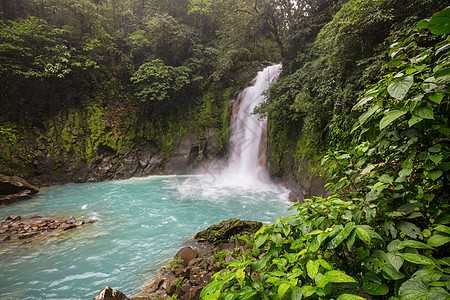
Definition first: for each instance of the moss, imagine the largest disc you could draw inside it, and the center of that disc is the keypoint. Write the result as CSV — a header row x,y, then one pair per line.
x,y
220,233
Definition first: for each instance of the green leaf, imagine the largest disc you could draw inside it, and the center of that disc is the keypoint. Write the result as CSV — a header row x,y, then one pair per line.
x,y
391,116
436,148
349,297
410,229
438,240
423,24
350,240
296,293
417,289
363,118
440,22
338,276
428,275
308,290
258,265
337,240
417,258
312,268
414,244
413,288
377,289
443,228
436,158
389,272
436,174
276,238
282,289
437,98
321,280
261,240
400,87
425,111
395,260
414,120
363,235
325,264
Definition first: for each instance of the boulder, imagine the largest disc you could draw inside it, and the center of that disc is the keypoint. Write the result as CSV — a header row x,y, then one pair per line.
x,y
13,185
13,218
187,254
13,188
222,232
110,294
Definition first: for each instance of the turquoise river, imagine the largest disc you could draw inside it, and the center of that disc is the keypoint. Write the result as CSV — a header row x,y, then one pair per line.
x,y
141,224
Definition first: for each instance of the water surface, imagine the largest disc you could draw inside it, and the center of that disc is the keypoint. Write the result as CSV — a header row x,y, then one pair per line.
x,y
142,222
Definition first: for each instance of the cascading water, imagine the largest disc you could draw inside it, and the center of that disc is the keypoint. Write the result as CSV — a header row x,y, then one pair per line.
x,y
247,131
141,221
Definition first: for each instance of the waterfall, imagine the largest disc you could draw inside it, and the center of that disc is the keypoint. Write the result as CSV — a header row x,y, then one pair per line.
x,y
246,165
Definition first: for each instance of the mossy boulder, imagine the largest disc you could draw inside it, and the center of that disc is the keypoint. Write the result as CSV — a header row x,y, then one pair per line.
x,y
222,232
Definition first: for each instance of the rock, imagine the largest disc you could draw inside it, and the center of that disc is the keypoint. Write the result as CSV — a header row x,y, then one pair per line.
x,y
110,294
3,230
187,254
68,226
27,235
222,232
4,238
13,218
14,184
13,188
70,220
229,258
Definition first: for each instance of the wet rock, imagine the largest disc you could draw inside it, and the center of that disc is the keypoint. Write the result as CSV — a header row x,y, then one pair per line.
x,y
4,238
187,254
68,226
14,184
13,218
71,220
110,294
26,235
3,230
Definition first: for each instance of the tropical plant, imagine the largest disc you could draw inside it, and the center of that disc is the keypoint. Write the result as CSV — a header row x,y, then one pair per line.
x,y
383,234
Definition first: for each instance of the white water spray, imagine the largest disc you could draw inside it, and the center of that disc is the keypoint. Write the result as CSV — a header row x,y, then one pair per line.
x,y
245,166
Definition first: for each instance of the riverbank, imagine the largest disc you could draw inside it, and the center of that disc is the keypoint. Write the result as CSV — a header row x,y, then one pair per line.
x,y
193,267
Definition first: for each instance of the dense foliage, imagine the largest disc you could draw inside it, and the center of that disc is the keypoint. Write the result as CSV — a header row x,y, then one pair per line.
x,y
384,232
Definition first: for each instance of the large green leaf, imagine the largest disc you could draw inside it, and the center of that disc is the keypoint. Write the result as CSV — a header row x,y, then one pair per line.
x,y
443,228
410,229
438,240
391,116
282,289
389,272
296,293
414,244
400,87
417,289
308,290
312,268
395,260
338,276
417,258
260,240
372,288
425,111
440,22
